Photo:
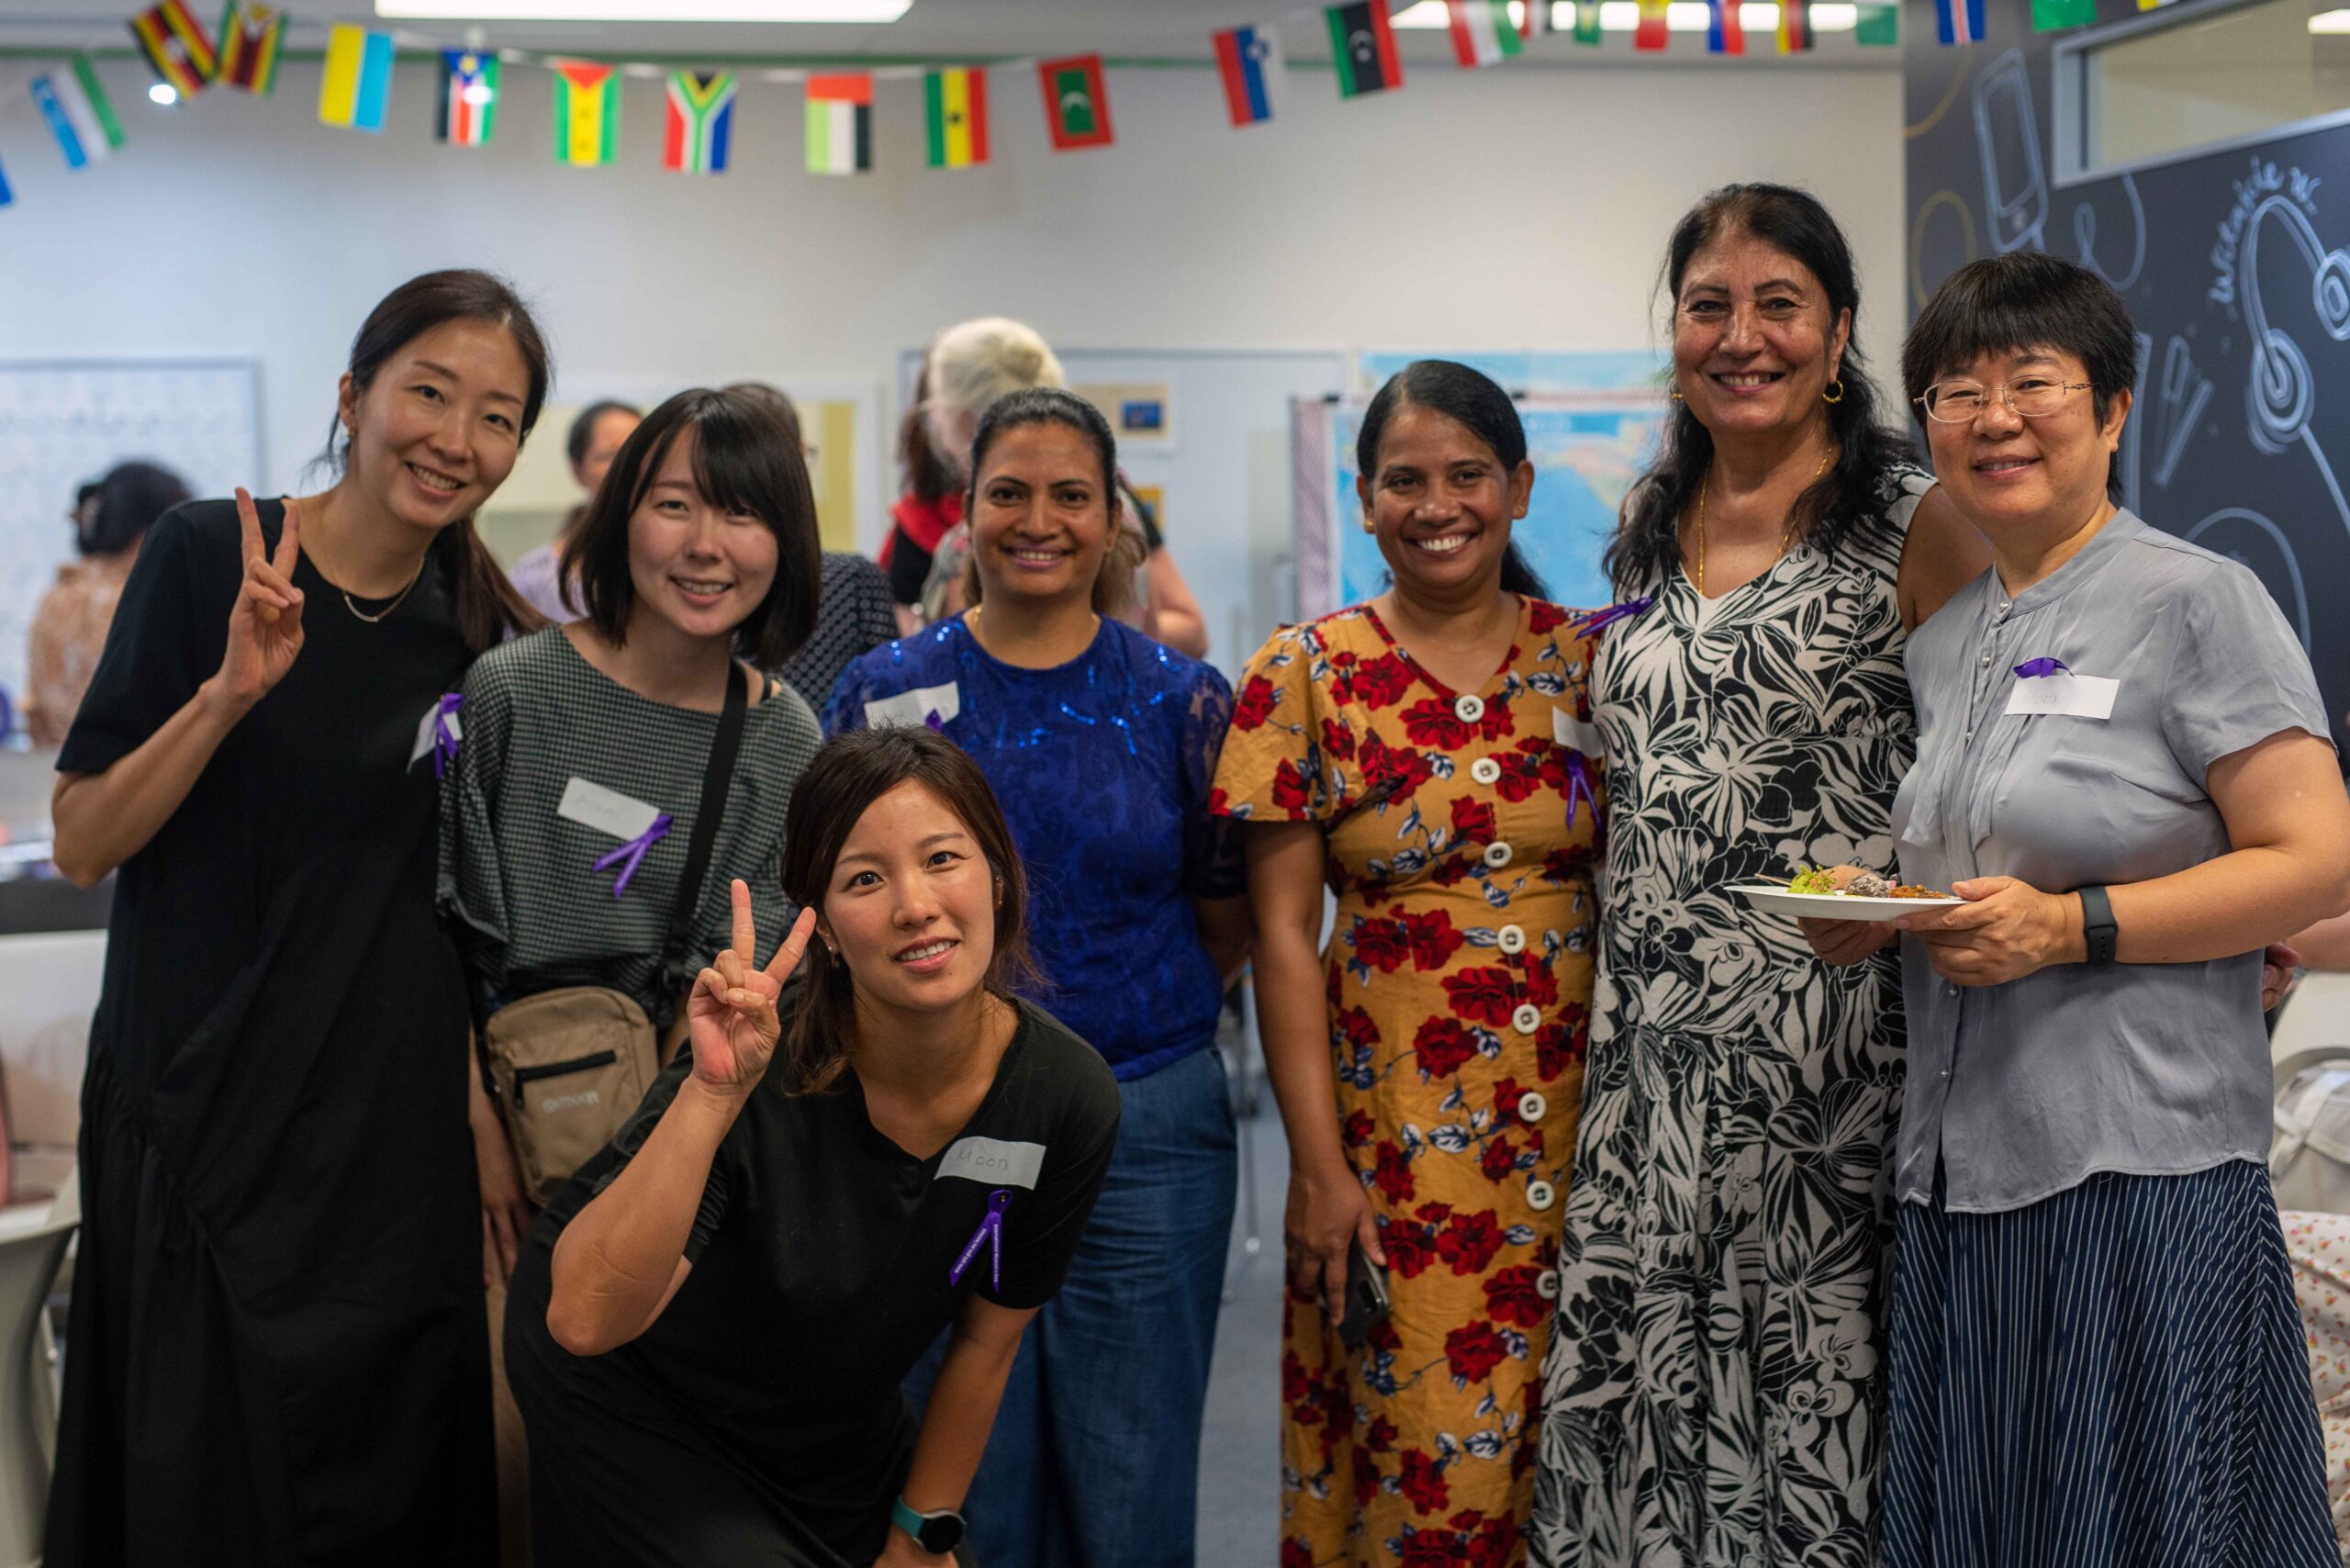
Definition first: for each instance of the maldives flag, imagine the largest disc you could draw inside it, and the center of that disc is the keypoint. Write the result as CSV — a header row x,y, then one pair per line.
x,y
1076,105
1362,48
1250,61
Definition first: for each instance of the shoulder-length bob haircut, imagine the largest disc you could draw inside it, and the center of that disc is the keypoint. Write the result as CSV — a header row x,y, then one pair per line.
x,y
847,776
2025,299
1113,585
744,461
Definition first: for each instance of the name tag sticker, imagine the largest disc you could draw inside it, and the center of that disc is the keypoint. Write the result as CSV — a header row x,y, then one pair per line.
x,y
606,810
1576,734
994,1162
921,706
2065,694
424,733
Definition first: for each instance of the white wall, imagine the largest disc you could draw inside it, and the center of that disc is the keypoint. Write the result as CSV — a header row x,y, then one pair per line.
x,y
1517,207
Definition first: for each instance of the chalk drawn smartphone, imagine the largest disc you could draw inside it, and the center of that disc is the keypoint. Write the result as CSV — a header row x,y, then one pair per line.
x,y
2007,135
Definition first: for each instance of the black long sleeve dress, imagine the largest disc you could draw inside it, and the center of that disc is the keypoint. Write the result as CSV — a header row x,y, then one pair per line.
x,y
276,1351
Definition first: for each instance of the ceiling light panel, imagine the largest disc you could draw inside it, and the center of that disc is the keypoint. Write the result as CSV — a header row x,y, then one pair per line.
x,y
856,12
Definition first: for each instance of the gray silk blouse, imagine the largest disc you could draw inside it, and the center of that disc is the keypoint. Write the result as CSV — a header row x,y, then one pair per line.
x,y
2023,1089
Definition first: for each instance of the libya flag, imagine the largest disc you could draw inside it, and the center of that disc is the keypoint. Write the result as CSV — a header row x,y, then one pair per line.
x,y
1362,48
1077,106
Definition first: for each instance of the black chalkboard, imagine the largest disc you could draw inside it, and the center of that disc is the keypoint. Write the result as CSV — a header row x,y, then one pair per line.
x,y
2236,266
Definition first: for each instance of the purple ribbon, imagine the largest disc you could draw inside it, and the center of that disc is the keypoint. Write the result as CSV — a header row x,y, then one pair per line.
x,y
933,723
633,852
1599,618
2032,667
444,741
991,1231
1579,783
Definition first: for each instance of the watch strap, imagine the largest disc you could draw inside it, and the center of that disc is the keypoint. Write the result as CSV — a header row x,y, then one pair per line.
x,y
2099,933
922,1526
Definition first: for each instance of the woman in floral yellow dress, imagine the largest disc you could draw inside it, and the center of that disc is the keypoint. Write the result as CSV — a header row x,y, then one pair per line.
x,y
1428,1066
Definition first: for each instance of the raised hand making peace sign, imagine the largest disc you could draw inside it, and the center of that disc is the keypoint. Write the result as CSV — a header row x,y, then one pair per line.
x,y
730,1016
265,625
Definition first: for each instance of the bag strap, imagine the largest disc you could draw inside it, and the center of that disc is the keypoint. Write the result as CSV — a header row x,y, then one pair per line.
x,y
714,781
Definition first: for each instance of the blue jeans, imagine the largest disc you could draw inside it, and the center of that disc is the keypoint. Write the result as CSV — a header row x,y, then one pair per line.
x,y
1094,1460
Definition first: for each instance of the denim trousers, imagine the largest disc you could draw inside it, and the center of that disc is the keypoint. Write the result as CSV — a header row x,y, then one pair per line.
x,y
1094,1459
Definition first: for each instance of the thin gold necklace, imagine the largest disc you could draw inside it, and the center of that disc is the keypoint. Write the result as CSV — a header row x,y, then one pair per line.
x,y
352,605
1785,540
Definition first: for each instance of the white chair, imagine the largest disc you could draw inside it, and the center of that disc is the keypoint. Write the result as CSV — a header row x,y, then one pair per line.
x,y
32,1246
2317,1013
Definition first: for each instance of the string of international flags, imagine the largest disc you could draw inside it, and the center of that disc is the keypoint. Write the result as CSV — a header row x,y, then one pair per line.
x,y
243,50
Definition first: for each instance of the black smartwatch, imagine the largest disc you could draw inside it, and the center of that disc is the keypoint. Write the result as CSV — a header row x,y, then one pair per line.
x,y
2097,931
938,1532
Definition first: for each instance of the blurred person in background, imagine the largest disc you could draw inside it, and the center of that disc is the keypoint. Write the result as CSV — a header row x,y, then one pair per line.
x,y
595,439
69,628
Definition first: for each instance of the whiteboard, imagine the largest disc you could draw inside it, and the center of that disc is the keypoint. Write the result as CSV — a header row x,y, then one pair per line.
x,y
64,422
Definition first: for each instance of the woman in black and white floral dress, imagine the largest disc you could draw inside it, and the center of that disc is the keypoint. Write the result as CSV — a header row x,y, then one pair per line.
x,y
1713,1396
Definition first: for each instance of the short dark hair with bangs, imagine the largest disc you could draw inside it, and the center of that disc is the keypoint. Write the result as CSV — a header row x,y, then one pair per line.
x,y
744,461
2025,299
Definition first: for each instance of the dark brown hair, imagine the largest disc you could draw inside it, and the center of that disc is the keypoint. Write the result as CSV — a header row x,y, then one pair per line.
x,y
744,462
846,777
488,607
780,404
1113,582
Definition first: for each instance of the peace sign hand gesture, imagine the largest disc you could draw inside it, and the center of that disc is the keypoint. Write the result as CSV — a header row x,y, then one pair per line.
x,y
265,625
731,1019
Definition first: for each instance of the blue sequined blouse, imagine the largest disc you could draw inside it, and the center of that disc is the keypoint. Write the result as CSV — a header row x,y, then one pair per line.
x,y
1103,766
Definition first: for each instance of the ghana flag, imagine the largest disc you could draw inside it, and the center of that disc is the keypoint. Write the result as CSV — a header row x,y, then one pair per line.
x,y
1076,104
586,112
955,106
251,37
1362,48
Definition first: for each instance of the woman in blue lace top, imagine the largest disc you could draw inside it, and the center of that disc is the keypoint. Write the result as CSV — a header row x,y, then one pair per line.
x,y
1101,744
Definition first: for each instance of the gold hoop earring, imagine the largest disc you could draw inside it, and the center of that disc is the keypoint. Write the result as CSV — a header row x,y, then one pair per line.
x,y
1835,396
1676,396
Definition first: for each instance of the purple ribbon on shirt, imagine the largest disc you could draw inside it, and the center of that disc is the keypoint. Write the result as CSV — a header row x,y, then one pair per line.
x,y
933,723
2034,667
991,1231
444,740
1579,783
1600,618
632,853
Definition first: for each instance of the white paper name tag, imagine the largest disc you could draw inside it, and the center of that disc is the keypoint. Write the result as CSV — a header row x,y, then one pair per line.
x,y
1576,734
606,810
2075,696
914,707
424,733
994,1162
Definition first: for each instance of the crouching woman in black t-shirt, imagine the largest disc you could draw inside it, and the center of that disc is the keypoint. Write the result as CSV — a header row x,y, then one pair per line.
x,y
710,1323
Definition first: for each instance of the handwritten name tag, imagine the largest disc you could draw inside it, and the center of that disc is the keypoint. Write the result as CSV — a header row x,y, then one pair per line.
x,y
424,733
915,707
2065,693
606,810
1576,734
994,1162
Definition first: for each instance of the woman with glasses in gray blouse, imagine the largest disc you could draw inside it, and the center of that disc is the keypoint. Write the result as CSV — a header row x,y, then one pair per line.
x,y
2121,769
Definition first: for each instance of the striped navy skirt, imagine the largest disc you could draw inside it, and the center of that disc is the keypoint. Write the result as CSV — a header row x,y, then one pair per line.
x,y
2111,1376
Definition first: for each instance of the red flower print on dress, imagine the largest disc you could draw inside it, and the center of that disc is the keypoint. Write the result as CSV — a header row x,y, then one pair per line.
x,y
1391,1172
1560,864
1511,1296
1560,1045
1506,1094
1482,995
1342,676
1495,1545
1337,740
1356,1027
1473,1350
1393,772
1542,616
1473,821
1254,705
1541,986
1289,786
1470,1242
1295,1384
1521,777
1382,682
1431,721
1442,1046
1356,1129
1337,1414
1407,1250
1498,724
1218,802
1423,1481
1382,944
1500,1160
1426,1548
1366,1478
1380,1437
1433,939
1296,1553
1435,1214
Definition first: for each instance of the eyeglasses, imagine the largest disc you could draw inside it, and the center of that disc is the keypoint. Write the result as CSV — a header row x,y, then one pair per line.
x,y
2033,398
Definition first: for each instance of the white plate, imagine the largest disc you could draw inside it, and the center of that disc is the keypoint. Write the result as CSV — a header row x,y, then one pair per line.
x,y
1773,897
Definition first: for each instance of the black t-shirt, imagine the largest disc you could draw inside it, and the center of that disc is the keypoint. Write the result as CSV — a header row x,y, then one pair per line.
x,y
821,1261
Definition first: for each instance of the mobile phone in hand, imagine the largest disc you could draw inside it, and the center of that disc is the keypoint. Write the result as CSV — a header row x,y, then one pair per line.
x,y
1367,1300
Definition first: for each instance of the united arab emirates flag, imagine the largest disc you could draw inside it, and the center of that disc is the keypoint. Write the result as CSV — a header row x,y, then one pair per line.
x,y
1363,47
1077,106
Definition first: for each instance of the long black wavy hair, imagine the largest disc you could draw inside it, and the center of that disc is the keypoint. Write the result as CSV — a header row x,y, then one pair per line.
x,y
1648,535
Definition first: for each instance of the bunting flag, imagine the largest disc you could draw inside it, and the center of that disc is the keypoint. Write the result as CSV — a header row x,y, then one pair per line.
x,y
955,109
840,124
75,104
1958,21
6,196
468,110
1536,21
1483,33
587,112
2047,15
1879,26
175,45
251,38
1076,104
2152,5
1794,26
358,85
1587,29
1362,48
698,131
1653,33
1250,61
1725,29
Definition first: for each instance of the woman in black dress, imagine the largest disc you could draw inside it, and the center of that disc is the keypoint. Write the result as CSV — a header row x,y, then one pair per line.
x,y
277,1353
709,1325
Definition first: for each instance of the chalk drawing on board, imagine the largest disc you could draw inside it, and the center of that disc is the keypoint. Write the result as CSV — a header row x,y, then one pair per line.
x,y
2180,401
2084,235
1924,240
2249,539
2006,136
2133,431
2280,390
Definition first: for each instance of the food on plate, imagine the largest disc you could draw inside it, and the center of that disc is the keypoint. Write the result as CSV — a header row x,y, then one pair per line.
x,y
1856,882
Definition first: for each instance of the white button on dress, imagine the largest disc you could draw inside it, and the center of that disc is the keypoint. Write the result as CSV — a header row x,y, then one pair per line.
x,y
1527,1019
1485,770
1497,855
1545,1284
1468,710
1540,1195
1511,939
1531,1106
